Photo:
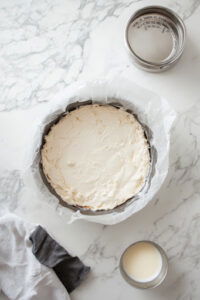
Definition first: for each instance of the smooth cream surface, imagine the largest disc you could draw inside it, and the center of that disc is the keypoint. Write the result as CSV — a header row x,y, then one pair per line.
x,y
142,262
96,157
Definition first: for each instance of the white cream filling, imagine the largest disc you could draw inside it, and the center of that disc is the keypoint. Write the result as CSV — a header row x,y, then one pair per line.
x,y
96,157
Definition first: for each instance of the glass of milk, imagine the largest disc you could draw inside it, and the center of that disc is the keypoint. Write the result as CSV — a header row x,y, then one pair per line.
x,y
144,264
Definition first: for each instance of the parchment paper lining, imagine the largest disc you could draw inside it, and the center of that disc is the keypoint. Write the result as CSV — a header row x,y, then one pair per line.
x,y
152,111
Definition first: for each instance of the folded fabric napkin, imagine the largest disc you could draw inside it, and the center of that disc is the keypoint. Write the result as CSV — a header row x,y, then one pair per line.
x,y
22,276
70,270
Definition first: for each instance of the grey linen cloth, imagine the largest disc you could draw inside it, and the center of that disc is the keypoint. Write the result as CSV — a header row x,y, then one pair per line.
x,y
70,270
22,276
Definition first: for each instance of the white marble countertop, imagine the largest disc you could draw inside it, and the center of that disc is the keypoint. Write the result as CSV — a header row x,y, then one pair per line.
x,y
46,45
